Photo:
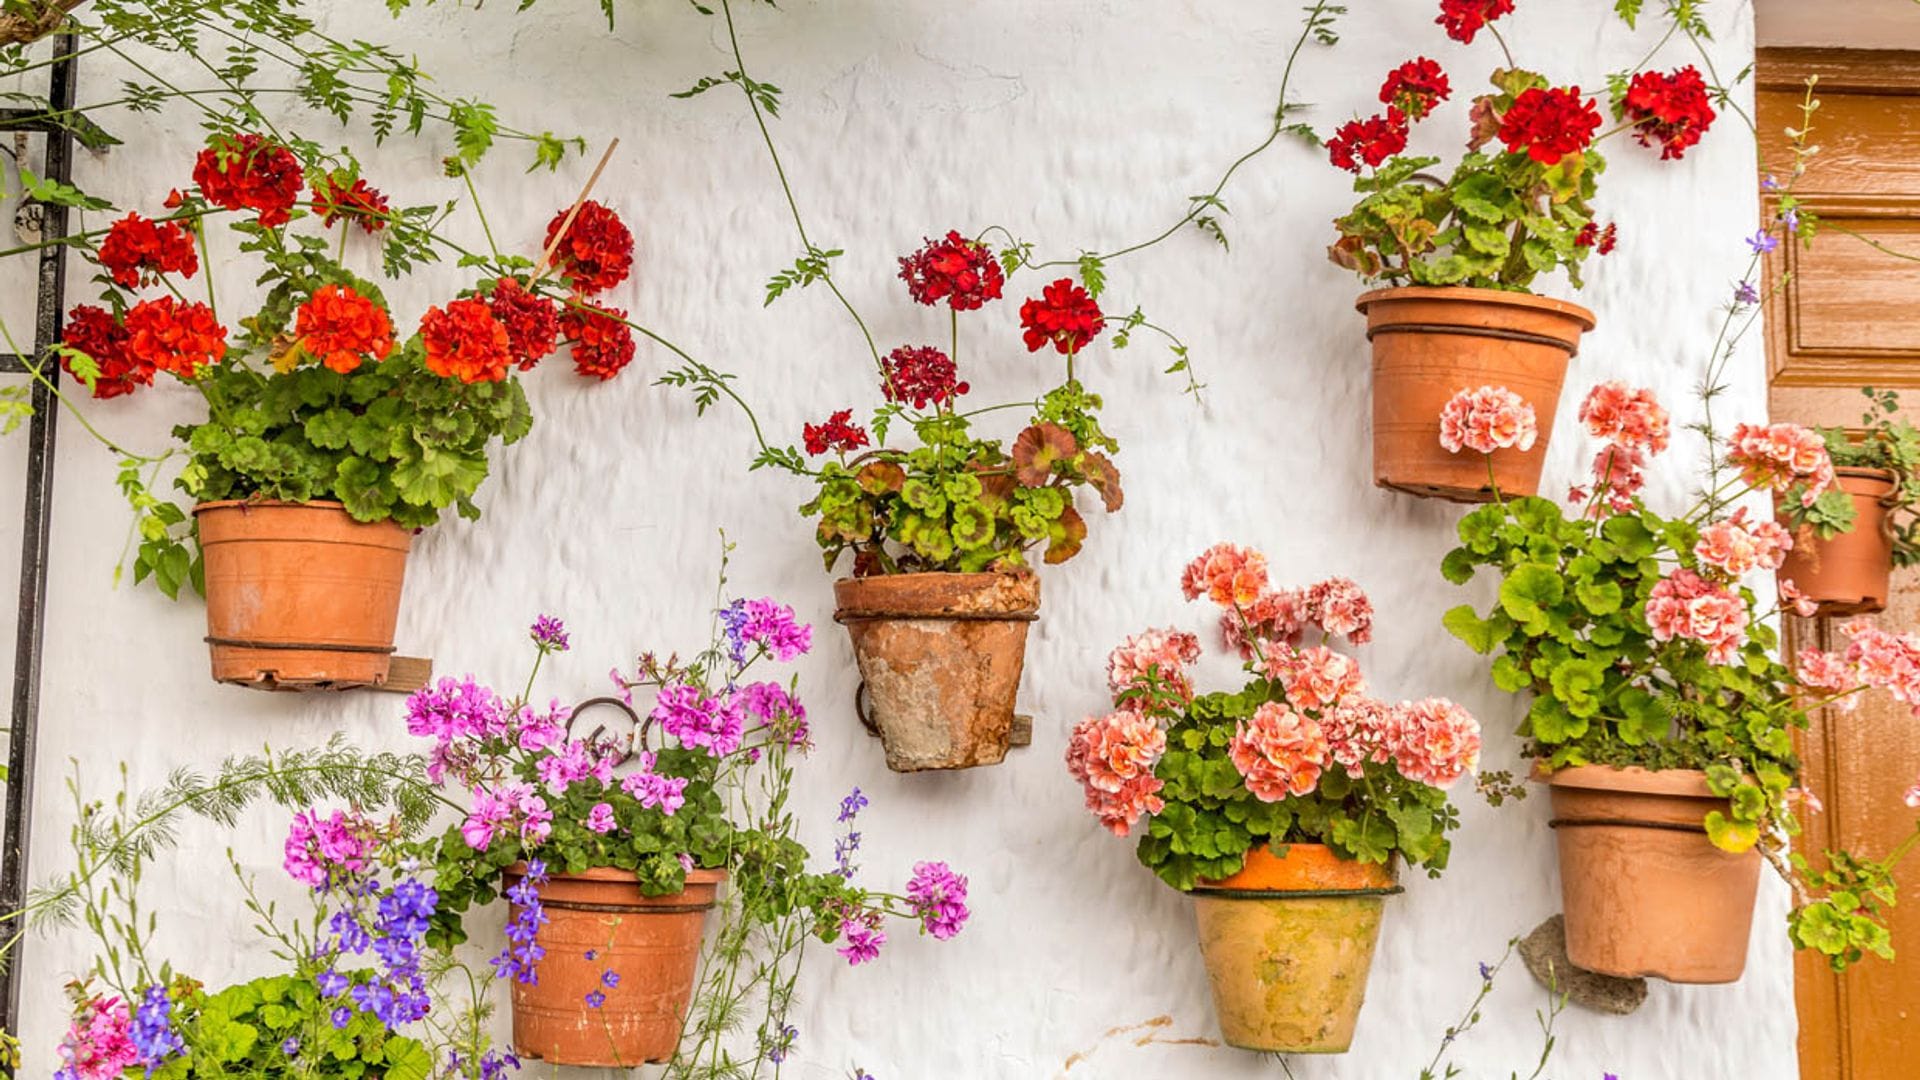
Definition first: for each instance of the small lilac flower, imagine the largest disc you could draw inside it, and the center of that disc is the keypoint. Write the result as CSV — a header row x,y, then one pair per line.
x,y
610,979
1791,219
851,806
152,1031
550,634
782,1044
843,851
291,1047
1745,293
1768,183
595,999
686,862
1486,972
332,984
342,1016
591,953
1763,242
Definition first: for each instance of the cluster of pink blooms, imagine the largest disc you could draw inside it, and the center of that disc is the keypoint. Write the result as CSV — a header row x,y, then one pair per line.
x,y
1326,720
1635,426
321,851
1780,457
1738,546
1685,605
1487,419
1874,658
509,808
99,1045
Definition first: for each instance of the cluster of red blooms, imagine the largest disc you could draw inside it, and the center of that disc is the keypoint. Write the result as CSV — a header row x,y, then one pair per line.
x,y
958,270
1591,235
95,332
175,336
464,341
342,329
1671,110
1549,123
1464,18
1064,315
839,433
359,202
923,376
137,251
602,341
1410,92
597,252
533,326
250,173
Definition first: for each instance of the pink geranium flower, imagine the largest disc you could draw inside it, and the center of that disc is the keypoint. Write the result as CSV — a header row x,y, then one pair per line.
x,y
1279,752
1487,419
1686,605
1437,742
1779,457
1738,546
1630,418
1316,678
1113,758
1164,652
1227,574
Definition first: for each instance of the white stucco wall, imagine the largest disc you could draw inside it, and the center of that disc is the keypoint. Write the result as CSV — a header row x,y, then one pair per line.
x,y
1081,123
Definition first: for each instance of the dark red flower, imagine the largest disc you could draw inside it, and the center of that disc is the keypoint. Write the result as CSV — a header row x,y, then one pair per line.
x,y
838,433
137,251
1464,18
1415,87
958,270
1591,235
465,342
175,337
1549,124
1372,140
1671,110
921,376
250,173
1063,315
533,325
597,253
358,201
93,331
602,340
343,329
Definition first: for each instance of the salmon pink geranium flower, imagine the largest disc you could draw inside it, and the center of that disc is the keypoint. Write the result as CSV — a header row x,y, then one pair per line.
x,y
1737,546
1164,654
1279,752
1628,417
1487,419
1685,605
1227,574
1782,457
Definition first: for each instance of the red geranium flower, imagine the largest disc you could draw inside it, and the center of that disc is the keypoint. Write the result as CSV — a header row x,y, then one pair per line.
x,y
1464,18
1591,235
597,253
93,331
1549,124
602,341
137,251
1372,140
958,270
531,321
175,337
838,433
1063,314
465,342
341,328
1669,109
250,173
359,202
921,376
1415,87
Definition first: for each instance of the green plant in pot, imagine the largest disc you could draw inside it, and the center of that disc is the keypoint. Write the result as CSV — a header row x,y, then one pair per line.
x,y
1661,715
1850,537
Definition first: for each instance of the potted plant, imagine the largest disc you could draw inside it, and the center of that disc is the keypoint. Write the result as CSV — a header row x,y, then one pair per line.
x,y
1848,540
939,533
1458,258
1662,716
1282,807
329,438
612,844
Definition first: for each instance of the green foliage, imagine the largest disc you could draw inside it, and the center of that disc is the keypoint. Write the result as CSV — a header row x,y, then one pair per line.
x,y
240,1031
1882,440
1501,220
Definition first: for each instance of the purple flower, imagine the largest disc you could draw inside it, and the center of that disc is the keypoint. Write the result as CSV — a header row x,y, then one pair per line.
x,y
1763,242
939,897
152,1031
610,979
782,1043
494,1065
1486,972
843,851
851,806
342,1016
600,818
1745,293
1791,219
550,634
331,983
291,1047
595,999
863,941
1768,183
348,935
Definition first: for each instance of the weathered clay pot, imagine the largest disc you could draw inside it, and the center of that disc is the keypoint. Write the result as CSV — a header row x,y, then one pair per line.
x,y
1288,943
300,596
1645,892
1850,573
940,656
651,942
1431,343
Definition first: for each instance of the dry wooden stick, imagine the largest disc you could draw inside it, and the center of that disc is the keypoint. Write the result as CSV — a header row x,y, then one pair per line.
x,y
546,257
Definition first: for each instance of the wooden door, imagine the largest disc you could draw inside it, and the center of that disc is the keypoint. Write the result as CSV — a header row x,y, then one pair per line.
x,y
1849,316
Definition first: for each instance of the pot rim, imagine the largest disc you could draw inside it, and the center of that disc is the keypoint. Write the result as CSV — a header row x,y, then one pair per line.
x,y
1471,294
1012,596
1632,779
982,576
1266,873
282,504
615,875
1886,477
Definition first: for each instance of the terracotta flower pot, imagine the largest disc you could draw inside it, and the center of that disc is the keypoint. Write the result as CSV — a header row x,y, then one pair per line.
x,y
1645,892
1850,573
940,658
651,942
1288,943
1431,343
300,596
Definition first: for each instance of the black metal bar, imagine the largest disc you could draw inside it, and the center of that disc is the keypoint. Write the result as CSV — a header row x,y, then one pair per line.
x,y
23,735
11,363
34,119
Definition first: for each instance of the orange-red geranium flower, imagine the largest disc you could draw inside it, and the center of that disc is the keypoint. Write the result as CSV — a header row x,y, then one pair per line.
x,y
341,328
466,342
175,337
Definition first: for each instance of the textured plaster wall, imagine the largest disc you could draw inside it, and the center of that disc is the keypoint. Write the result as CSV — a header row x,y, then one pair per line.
x,y
1082,123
